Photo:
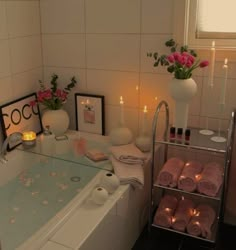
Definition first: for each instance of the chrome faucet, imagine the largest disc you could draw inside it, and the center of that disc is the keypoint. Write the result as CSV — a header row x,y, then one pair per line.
x,y
14,139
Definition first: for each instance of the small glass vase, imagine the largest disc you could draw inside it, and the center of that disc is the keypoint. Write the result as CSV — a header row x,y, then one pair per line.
x,y
57,121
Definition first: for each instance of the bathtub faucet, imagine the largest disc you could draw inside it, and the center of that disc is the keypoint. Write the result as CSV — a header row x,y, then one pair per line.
x,y
14,139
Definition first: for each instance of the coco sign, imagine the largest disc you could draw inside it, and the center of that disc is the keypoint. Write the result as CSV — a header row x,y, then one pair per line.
x,y
20,116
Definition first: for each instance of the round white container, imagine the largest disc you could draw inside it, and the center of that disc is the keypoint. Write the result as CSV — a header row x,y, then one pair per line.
x,y
99,195
110,182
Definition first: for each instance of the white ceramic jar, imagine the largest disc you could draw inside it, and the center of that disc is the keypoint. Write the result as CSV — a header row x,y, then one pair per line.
x,y
110,182
99,195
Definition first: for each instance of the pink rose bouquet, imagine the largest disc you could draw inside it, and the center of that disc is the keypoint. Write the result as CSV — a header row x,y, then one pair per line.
x,y
180,63
53,98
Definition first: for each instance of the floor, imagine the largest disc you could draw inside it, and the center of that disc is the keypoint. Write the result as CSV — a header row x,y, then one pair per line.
x,y
159,239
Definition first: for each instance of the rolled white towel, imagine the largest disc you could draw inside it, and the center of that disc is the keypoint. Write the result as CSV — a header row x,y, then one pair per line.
x,y
129,154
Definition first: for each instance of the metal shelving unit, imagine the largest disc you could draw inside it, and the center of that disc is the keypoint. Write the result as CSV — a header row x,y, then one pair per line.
x,y
200,143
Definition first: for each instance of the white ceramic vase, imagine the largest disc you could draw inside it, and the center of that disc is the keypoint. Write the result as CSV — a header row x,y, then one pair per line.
x,y
121,136
110,182
57,120
182,91
99,195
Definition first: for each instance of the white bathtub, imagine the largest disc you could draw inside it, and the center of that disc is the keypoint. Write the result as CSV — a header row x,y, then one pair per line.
x,y
80,223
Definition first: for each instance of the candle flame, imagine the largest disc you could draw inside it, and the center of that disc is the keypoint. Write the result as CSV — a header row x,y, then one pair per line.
x,y
197,177
121,100
145,109
213,44
28,136
226,61
173,219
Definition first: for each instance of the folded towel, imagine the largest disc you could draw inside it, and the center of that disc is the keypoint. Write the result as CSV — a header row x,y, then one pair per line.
x,y
201,221
128,154
170,172
211,179
190,176
128,173
182,214
165,211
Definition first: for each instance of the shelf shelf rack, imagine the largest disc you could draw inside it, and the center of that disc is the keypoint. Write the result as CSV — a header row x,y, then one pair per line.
x,y
197,142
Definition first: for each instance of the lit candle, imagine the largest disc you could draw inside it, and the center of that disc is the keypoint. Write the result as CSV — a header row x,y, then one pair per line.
x,y
28,138
145,120
223,87
212,64
121,111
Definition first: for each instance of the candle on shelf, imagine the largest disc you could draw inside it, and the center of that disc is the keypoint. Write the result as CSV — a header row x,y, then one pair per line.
x,y
224,82
144,129
121,111
212,64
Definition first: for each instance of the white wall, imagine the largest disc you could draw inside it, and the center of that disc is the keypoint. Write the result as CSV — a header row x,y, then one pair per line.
x,y
20,49
104,44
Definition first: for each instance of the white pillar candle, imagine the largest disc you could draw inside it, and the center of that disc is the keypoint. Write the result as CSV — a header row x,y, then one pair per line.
x,y
121,111
144,129
224,82
212,65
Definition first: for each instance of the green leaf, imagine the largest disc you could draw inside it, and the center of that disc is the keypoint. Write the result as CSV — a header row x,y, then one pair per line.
x,y
155,55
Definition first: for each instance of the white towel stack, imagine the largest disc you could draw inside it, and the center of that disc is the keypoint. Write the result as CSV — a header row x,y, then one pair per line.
x,y
128,161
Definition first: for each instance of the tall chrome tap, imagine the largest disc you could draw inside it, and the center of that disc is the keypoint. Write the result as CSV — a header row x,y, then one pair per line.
x,y
13,138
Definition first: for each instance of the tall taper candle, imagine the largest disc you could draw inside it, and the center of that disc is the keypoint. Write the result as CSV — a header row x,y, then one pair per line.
x,y
121,111
212,65
144,129
224,82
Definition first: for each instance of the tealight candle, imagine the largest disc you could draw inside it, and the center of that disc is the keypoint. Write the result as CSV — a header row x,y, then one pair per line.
x,y
28,138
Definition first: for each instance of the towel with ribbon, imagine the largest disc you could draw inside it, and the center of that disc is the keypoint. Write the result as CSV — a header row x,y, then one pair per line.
x,y
128,154
128,173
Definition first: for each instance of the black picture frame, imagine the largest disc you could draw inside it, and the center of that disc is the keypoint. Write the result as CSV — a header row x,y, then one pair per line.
x,y
19,116
89,112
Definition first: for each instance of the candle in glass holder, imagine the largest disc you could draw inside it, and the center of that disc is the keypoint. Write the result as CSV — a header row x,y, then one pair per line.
x,y
28,138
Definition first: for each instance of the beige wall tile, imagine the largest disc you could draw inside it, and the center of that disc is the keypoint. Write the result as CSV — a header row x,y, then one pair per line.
x,y
25,53
114,52
23,18
111,16
64,50
62,16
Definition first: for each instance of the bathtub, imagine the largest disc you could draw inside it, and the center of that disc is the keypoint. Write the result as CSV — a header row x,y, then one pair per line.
x,y
45,202
36,192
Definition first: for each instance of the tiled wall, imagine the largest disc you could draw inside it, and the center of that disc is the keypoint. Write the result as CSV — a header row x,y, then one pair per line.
x,y
20,49
104,44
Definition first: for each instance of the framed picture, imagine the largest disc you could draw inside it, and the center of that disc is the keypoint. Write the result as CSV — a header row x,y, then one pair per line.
x,y
20,116
90,113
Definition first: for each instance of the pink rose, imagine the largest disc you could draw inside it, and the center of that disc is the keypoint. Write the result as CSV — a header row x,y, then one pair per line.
x,y
203,64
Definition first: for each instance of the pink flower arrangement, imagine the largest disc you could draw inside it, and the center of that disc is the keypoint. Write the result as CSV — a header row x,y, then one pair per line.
x,y
181,63
53,98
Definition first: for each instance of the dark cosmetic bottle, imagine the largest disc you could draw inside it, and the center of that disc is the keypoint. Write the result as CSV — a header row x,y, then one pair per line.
x,y
172,134
179,134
